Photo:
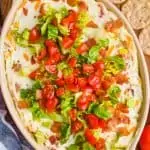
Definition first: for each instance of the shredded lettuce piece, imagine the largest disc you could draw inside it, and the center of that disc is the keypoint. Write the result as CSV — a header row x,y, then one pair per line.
x,y
62,65
73,147
67,102
62,12
87,146
113,93
45,25
63,30
102,111
65,132
94,51
56,117
52,32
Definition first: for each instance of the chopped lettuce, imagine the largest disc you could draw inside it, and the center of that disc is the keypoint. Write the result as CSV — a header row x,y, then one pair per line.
x,y
79,138
62,12
40,137
65,132
25,34
102,111
63,30
61,66
114,65
45,26
94,51
113,93
91,107
87,146
52,32
55,117
67,102
73,147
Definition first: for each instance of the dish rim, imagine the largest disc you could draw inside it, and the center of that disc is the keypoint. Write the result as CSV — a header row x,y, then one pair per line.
x,y
8,98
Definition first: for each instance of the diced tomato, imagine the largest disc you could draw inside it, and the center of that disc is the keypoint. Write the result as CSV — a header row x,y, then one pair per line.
x,y
33,75
49,43
60,82
51,104
82,103
53,139
102,123
73,31
67,42
34,35
145,138
42,54
94,81
90,137
76,72
72,17
87,90
82,48
82,82
92,121
100,144
72,62
88,68
73,114
52,50
76,126
51,69
69,79
60,92
99,65
48,92
91,97
106,84
73,87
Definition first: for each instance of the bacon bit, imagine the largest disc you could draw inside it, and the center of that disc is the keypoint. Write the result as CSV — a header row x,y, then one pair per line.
x,y
72,2
128,42
121,78
26,57
122,107
53,139
124,119
90,42
100,145
16,67
56,127
22,104
111,26
25,11
33,60
103,52
123,131
92,24
37,5
42,9
82,6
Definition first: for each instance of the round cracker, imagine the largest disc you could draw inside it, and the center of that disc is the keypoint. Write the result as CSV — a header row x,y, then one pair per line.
x,y
144,39
137,12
